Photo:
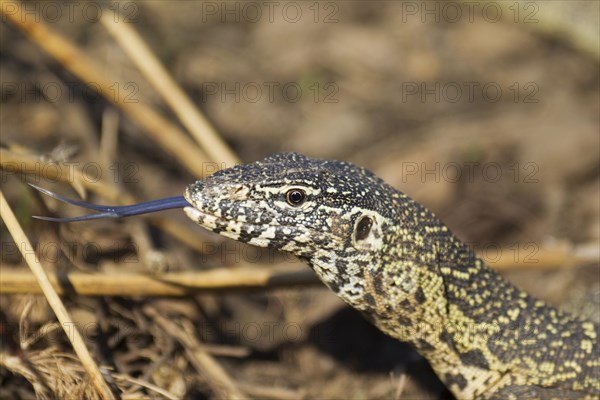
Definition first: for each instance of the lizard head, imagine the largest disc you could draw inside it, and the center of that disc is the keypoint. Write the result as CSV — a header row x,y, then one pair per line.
x,y
348,224
330,213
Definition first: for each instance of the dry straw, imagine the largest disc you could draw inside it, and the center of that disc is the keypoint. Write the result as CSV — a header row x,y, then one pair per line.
x,y
162,131
54,300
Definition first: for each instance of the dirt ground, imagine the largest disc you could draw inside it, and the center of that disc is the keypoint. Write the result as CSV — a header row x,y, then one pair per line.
x,y
491,122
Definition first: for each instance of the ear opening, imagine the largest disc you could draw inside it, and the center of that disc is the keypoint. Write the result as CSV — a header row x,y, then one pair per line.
x,y
367,234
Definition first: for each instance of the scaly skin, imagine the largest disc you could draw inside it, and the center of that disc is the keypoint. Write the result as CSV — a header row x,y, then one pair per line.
x,y
389,257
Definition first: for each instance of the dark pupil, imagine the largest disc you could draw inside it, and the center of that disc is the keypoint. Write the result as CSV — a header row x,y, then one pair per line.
x,y
363,228
295,197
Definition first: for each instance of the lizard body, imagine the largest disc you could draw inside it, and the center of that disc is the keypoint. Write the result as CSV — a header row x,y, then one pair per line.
x,y
390,258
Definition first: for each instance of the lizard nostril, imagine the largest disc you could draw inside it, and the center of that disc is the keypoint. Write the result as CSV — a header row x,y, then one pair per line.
x,y
239,191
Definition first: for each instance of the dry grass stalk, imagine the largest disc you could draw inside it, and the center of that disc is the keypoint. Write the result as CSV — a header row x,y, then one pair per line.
x,y
56,375
52,374
145,384
171,284
180,103
203,362
267,392
54,300
55,171
166,134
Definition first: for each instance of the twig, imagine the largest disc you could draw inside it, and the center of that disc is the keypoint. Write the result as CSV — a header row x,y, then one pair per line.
x,y
54,300
267,392
155,260
58,171
144,384
400,385
183,283
171,138
218,379
180,103
171,284
109,137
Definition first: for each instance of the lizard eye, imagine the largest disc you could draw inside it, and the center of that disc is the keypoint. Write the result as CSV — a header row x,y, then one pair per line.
x,y
295,197
363,227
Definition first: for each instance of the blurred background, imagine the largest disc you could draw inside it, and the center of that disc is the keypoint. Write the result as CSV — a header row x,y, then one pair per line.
x,y
485,112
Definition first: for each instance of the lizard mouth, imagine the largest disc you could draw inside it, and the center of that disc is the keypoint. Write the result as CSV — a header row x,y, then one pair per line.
x,y
262,235
232,228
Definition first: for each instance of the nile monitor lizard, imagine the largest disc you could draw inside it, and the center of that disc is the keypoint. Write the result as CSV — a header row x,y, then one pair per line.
x,y
393,260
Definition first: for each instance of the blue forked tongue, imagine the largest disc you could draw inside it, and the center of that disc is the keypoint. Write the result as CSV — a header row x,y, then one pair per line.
x,y
114,211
